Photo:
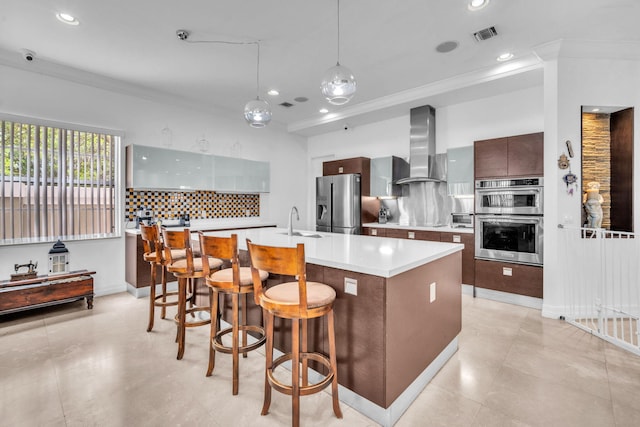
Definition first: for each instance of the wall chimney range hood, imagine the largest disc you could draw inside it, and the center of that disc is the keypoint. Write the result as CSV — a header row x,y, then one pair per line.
x,y
424,164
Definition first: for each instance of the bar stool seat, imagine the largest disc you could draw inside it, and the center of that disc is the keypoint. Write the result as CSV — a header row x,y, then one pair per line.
x,y
238,282
297,301
154,255
187,270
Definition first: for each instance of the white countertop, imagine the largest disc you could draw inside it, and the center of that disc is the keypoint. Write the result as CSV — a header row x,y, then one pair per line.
x,y
446,228
378,256
211,224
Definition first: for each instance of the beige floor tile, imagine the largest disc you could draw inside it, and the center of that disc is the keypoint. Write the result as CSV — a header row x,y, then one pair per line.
x,y
544,403
82,367
439,407
488,417
578,372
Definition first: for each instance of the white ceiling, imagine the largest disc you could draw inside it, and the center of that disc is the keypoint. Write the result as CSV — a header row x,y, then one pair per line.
x,y
390,47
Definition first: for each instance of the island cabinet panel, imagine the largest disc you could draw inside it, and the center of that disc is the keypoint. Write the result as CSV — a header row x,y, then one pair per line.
x,y
361,165
418,329
507,277
360,333
468,253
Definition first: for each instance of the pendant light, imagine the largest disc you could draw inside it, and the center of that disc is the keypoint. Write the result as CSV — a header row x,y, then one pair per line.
x,y
257,112
338,83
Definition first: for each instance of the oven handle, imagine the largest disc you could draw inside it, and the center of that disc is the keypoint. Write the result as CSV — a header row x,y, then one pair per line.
x,y
529,219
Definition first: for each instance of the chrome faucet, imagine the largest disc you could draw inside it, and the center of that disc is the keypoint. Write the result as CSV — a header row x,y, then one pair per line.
x,y
290,227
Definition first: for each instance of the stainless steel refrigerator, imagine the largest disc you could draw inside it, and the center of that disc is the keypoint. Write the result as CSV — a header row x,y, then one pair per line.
x,y
338,204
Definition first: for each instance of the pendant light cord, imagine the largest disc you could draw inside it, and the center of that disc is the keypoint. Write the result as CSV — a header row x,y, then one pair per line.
x,y
257,43
338,62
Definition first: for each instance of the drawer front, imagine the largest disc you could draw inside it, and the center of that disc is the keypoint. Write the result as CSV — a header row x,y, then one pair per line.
x,y
513,278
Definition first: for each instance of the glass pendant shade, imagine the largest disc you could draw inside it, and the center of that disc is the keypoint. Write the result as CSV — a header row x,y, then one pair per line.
x,y
257,113
338,85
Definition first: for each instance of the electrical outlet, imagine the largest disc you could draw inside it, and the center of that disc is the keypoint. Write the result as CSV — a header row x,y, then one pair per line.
x,y
350,286
432,292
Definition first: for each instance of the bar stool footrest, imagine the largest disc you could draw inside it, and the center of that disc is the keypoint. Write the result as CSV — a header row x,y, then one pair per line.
x,y
166,303
304,390
217,340
194,323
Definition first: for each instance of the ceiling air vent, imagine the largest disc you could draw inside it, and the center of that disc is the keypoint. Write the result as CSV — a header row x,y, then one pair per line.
x,y
485,34
286,104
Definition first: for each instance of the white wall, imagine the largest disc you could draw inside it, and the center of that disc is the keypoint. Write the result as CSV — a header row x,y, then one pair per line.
x,y
571,83
38,96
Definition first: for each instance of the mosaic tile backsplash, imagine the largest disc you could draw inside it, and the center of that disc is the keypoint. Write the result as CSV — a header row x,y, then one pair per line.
x,y
198,204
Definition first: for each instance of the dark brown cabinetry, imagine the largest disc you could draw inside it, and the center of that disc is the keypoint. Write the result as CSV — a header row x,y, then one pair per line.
x,y
467,239
520,155
468,254
506,277
372,231
361,165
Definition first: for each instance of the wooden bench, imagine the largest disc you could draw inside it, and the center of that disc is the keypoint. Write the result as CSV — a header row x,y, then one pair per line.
x,y
46,290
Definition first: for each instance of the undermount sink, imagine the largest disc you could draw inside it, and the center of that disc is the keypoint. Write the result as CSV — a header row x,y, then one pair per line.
x,y
299,234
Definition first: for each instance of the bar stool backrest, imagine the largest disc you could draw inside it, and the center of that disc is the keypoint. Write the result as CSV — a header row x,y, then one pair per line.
x,y
278,260
178,239
151,241
224,248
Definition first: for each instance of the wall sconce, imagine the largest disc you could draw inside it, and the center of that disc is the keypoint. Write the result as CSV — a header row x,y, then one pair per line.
x,y
58,259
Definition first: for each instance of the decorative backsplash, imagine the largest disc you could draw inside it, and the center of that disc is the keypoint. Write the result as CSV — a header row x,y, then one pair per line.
x,y
198,204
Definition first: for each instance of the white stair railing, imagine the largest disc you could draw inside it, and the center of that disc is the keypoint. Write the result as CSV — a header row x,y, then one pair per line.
x,y
601,279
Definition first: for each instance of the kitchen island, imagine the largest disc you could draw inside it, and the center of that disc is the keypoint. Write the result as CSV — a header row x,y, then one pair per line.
x,y
397,311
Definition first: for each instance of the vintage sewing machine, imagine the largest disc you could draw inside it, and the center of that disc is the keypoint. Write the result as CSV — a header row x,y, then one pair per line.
x,y
31,272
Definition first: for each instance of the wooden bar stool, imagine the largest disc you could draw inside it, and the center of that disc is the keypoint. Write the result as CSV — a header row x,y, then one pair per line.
x,y
154,255
187,270
298,301
236,281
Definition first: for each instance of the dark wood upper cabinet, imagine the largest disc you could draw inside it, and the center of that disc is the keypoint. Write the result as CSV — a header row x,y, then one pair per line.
x,y
621,169
490,158
514,156
361,165
526,155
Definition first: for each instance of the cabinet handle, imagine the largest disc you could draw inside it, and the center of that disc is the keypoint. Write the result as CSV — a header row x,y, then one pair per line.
x,y
507,271
374,232
456,239
411,235
340,169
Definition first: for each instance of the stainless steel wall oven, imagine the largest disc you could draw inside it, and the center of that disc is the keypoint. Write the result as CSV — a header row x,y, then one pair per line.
x,y
508,221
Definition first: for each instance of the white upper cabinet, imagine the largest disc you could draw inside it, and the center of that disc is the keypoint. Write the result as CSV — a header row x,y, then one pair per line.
x,y
164,169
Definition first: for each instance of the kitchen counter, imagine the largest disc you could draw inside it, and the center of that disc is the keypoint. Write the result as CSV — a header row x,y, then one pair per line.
x,y
209,224
384,257
397,323
447,228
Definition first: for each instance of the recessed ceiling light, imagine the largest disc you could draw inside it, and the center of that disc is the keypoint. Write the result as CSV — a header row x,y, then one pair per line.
x,y
323,110
67,19
595,110
273,92
477,4
505,57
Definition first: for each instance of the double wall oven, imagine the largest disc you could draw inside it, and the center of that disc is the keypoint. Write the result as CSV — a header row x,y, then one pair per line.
x,y
508,220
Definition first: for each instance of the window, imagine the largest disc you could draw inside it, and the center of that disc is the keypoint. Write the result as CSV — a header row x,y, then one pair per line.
x,y
57,182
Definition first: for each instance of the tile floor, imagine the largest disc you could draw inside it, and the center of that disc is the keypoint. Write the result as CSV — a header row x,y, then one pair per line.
x,y
68,366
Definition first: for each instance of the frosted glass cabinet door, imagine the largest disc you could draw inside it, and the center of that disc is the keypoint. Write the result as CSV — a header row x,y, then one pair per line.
x,y
240,175
159,168
460,171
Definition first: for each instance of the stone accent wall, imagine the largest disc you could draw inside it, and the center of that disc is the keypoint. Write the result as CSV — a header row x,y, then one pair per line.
x,y
596,158
198,204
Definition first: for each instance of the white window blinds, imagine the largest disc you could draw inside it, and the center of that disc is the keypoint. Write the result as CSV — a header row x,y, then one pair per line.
x,y
56,183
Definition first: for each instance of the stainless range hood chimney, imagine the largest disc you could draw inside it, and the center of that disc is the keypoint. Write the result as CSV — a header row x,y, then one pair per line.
x,y
424,164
